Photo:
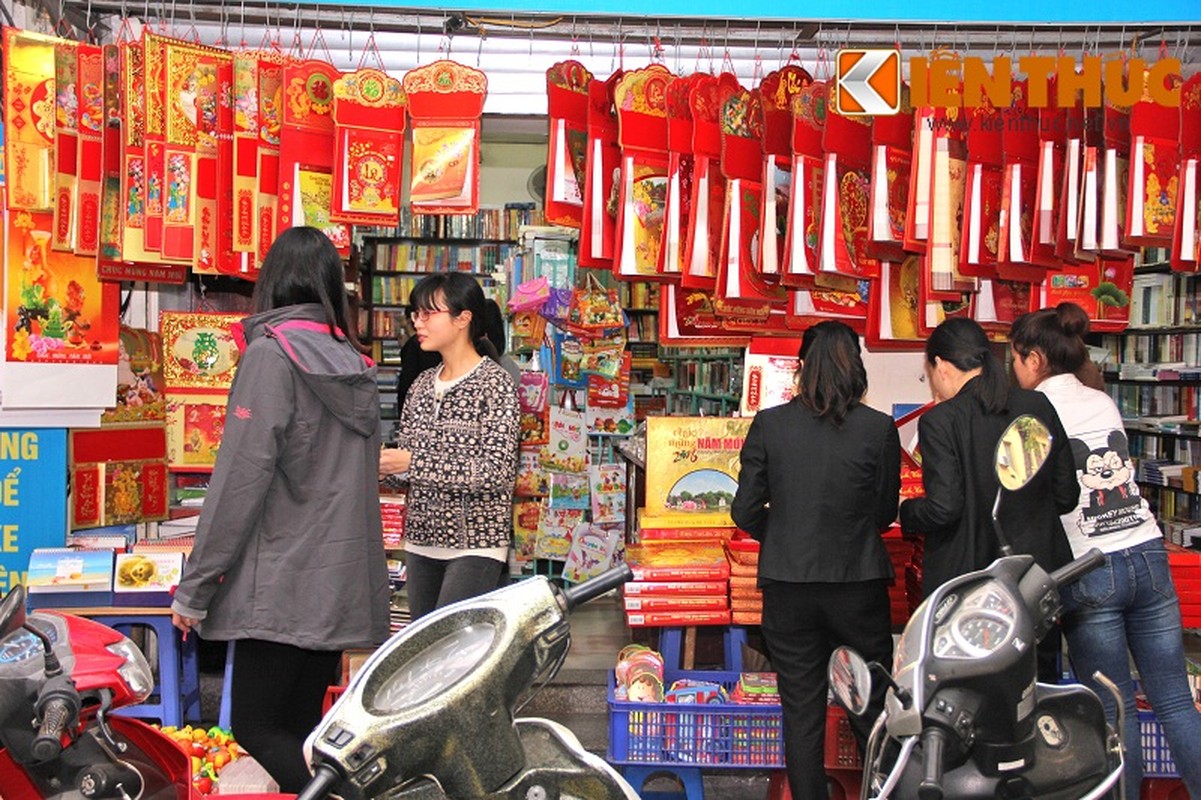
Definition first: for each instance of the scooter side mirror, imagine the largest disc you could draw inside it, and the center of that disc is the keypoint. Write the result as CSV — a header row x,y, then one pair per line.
x,y
1021,452
12,611
850,678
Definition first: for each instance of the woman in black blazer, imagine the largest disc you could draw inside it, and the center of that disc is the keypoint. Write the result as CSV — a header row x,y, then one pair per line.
x,y
958,440
819,481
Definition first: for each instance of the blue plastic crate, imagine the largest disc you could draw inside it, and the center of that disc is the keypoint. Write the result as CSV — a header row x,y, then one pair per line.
x,y
715,734
1157,759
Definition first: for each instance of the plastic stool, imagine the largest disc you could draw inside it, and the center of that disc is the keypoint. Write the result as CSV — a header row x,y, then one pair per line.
x,y
689,778
226,693
178,687
733,639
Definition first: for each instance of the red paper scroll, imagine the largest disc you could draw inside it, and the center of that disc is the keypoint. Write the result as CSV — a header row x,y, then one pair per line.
x,y
567,147
369,121
445,100
600,177
776,94
306,152
641,100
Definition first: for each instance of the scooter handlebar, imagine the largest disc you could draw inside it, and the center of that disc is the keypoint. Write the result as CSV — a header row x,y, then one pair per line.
x,y
595,587
325,778
1077,569
48,742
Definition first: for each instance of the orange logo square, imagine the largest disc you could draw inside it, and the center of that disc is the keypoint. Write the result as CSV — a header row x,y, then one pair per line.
x,y
868,82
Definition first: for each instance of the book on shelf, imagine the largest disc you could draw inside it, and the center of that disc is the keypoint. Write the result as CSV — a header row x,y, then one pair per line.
x,y
487,223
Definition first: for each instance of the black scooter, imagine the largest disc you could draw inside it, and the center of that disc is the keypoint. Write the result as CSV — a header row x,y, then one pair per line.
x,y
431,714
964,716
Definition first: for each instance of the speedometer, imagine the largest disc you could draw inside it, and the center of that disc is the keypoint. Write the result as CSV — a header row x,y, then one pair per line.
x,y
981,633
977,626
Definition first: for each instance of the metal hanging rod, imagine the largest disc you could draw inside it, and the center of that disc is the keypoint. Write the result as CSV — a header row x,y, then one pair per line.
x,y
599,29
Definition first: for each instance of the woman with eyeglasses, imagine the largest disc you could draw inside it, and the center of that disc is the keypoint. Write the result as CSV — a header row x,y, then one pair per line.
x,y
958,440
458,446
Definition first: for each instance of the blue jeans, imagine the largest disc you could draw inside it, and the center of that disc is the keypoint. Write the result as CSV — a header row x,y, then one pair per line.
x,y
1129,604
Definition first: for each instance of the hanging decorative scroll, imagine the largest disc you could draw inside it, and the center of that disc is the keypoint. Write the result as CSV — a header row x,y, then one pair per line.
x,y
641,101
1185,254
567,85
776,94
703,232
599,213
190,153
66,143
29,120
369,122
445,100
677,210
306,153
90,165
808,171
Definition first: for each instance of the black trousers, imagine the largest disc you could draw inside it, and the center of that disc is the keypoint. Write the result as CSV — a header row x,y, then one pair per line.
x,y
802,624
276,694
433,582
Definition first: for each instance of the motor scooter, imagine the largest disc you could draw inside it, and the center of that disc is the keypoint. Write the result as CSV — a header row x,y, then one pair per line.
x,y
431,714
964,715
60,677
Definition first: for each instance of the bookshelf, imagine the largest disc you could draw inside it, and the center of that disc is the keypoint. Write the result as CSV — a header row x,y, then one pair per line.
x,y
1153,373
706,381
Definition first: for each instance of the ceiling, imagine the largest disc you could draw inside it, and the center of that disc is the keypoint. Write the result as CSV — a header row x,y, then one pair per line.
x,y
515,50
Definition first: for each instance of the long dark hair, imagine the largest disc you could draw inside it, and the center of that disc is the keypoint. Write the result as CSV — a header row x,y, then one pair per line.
x,y
460,293
962,342
303,266
1058,333
832,379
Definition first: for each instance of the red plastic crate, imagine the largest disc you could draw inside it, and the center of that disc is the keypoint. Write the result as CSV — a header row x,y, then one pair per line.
x,y
841,750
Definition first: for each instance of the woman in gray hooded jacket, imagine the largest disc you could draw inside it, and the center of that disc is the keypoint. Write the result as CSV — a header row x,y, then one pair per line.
x,y
289,557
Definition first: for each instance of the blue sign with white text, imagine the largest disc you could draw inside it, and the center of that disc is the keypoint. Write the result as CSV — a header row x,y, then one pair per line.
x,y
33,497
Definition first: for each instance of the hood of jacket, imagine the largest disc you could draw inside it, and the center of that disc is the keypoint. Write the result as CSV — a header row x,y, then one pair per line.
x,y
340,376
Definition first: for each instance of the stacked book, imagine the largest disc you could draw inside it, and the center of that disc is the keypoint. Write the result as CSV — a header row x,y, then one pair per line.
x,y
1160,471
1185,565
746,600
677,583
756,688
392,513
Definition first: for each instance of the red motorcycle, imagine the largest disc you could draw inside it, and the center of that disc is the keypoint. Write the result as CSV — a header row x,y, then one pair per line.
x,y
61,676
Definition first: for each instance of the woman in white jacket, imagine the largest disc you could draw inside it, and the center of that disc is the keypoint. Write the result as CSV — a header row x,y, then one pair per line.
x,y
1127,606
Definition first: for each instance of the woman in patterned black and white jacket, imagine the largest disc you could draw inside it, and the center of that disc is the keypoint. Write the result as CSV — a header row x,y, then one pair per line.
x,y
458,444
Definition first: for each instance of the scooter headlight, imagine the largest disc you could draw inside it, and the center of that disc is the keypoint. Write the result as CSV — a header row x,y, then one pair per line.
x,y
136,670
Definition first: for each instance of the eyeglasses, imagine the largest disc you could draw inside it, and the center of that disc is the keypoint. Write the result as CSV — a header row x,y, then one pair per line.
x,y
424,314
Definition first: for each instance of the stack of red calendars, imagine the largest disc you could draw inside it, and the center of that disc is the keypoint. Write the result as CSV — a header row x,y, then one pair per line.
x,y
1185,565
746,600
677,582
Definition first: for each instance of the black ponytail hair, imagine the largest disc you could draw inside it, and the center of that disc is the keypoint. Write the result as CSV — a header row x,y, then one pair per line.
x,y
962,342
460,292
